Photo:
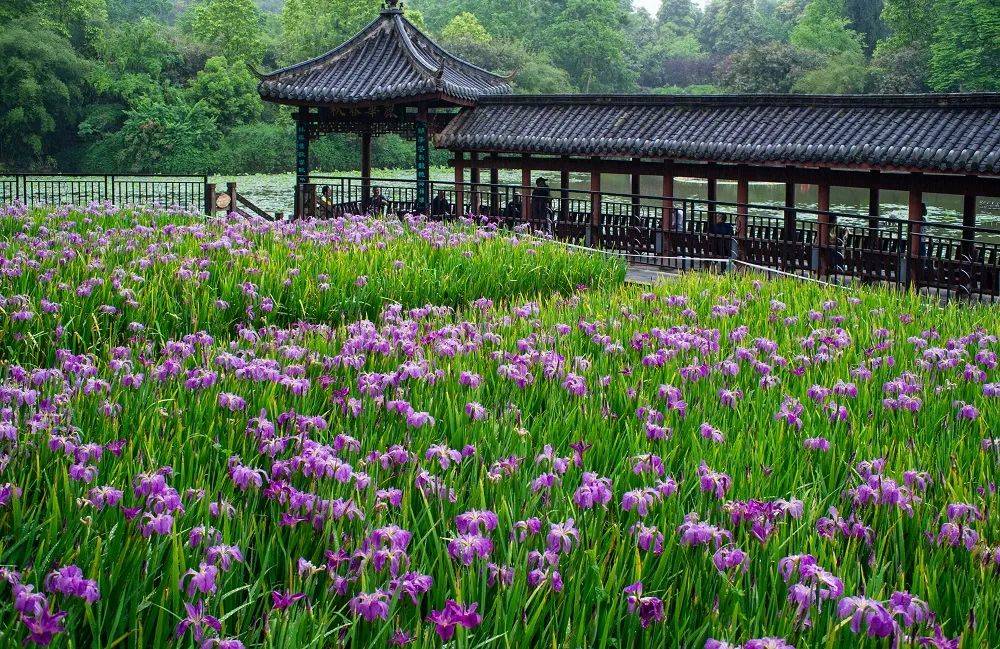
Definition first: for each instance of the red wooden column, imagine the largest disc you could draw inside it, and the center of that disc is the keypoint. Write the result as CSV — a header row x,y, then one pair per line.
x,y
366,170
564,194
667,208
742,211
526,189
636,188
712,193
823,206
789,211
495,208
916,204
459,183
968,226
595,205
873,201
474,181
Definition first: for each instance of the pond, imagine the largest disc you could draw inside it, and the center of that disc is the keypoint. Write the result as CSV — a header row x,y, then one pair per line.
x,y
275,193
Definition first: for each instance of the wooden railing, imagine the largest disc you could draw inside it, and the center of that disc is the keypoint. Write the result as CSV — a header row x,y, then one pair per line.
x,y
841,247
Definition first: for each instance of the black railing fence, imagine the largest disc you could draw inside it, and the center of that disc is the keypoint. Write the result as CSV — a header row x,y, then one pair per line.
x,y
62,189
839,247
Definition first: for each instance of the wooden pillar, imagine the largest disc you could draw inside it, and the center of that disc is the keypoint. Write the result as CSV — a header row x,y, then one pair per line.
x,y
474,182
210,199
636,188
916,205
823,207
564,194
595,205
742,202
712,193
459,183
366,170
495,207
968,226
873,201
667,204
422,161
789,211
231,190
301,156
526,188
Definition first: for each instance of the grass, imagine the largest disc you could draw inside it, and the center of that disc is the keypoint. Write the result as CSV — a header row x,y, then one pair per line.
x,y
818,336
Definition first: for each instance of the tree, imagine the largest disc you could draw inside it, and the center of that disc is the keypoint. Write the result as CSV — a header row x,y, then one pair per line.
x,y
732,25
465,27
823,28
866,19
588,41
44,86
230,28
681,14
840,74
773,67
167,137
228,91
312,27
898,71
965,50
533,72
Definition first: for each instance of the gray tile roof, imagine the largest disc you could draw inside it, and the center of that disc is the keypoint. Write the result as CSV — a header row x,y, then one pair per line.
x,y
947,133
389,60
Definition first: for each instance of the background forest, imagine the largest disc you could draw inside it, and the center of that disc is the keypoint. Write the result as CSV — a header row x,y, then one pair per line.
x,y
167,86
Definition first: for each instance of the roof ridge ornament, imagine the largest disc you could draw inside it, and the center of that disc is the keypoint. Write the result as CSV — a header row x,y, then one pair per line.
x,y
392,6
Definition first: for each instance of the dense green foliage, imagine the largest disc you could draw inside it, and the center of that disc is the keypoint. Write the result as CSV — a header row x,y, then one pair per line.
x,y
92,85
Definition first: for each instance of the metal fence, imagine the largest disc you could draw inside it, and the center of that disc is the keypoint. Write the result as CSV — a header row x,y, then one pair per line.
x,y
945,259
80,189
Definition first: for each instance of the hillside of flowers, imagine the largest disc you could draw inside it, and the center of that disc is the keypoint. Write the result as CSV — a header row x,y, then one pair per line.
x,y
717,462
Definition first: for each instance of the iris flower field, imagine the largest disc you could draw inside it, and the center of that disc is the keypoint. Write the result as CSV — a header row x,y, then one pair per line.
x,y
221,433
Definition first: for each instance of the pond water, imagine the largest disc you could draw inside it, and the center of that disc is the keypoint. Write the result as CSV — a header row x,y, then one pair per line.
x,y
275,193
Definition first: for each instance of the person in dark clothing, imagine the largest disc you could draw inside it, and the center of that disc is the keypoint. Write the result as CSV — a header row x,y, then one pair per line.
x,y
723,233
512,212
379,204
541,203
440,205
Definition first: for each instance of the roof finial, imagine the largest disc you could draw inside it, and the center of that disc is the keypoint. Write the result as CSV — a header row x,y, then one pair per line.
x,y
392,5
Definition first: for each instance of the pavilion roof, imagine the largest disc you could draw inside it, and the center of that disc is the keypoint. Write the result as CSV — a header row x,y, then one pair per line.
x,y
957,133
389,61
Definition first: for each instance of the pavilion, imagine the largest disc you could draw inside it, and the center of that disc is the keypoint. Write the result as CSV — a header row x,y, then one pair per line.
x,y
392,78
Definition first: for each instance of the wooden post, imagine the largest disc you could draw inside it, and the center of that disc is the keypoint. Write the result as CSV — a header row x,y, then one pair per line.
x,y
231,190
712,193
474,182
495,208
742,209
916,209
526,189
366,170
594,238
459,183
422,161
823,206
209,199
636,188
301,156
873,201
667,204
789,211
968,226
564,195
